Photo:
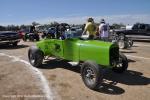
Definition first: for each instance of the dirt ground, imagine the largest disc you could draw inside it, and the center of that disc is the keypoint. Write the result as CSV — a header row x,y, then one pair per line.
x,y
65,80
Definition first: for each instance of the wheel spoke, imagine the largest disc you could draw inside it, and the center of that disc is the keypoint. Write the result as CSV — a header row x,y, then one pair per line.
x,y
90,75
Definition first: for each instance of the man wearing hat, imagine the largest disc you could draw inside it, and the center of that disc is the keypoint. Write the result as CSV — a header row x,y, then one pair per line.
x,y
104,30
90,28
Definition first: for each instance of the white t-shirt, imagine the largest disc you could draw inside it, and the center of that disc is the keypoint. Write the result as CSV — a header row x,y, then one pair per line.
x,y
104,30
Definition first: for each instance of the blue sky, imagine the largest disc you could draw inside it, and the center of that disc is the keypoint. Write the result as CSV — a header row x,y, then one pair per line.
x,y
73,11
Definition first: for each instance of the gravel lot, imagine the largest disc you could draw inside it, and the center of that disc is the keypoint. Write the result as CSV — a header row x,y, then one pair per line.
x,y
18,82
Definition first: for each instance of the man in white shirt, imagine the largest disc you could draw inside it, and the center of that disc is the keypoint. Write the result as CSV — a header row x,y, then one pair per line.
x,y
104,30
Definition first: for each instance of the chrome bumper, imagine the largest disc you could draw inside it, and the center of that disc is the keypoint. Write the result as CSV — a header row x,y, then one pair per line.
x,y
9,41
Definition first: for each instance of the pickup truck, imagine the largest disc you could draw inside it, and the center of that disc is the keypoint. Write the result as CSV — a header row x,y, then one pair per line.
x,y
8,37
137,31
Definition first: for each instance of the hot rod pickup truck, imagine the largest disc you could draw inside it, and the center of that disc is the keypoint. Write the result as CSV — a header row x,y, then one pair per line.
x,y
92,55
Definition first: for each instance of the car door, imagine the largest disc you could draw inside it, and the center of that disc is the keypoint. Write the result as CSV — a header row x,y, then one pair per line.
x,y
58,48
135,30
142,30
147,30
54,47
71,49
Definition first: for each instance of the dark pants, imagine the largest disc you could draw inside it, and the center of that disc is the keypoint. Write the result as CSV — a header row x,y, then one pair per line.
x,y
58,35
91,37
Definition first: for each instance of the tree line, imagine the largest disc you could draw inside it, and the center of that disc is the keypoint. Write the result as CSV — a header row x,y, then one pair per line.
x,y
52,24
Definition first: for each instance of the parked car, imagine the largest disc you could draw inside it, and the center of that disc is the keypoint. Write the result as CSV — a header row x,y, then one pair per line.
x,y
31,37
73,32
8,37
30,34
137,31
93,55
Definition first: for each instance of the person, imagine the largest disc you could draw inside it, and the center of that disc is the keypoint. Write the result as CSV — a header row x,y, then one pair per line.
x,y
51,32
104,30
90,28
69,32
32,29
62,30
57,32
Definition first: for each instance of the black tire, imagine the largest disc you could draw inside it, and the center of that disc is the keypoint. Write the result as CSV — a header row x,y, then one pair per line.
x,y
24,38
43,36
121,44
37,37
15,43
92,74
35,56
130,42
31,38
122,64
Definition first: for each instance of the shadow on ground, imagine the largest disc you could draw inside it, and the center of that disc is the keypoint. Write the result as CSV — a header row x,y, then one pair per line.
x,y
110,89
52,64
131,61
143,40
135,46
128,52
129,77
13,47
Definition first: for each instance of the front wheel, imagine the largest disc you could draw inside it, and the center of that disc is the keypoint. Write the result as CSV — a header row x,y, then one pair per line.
x,y
15,43
130,43
122,65
35,56
91,74
121,44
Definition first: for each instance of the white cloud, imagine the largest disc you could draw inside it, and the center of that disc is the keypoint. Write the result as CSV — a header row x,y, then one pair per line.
x,y
129,19
126,19
77,19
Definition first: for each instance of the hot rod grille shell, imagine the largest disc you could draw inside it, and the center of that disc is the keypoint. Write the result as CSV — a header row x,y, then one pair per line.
x,y
114,55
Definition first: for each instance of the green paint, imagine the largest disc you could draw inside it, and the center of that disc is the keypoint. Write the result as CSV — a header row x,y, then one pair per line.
x,y
78,50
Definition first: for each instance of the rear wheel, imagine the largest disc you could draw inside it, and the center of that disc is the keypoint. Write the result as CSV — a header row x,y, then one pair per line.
x,y
15,43
31,38
122,64
35,56
37,37
130,42
91,74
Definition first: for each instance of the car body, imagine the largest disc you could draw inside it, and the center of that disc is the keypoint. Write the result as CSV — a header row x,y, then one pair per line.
x,y
93,55
76,50
8,37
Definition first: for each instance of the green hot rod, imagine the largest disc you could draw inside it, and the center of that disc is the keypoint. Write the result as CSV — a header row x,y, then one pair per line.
x,y
92,55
